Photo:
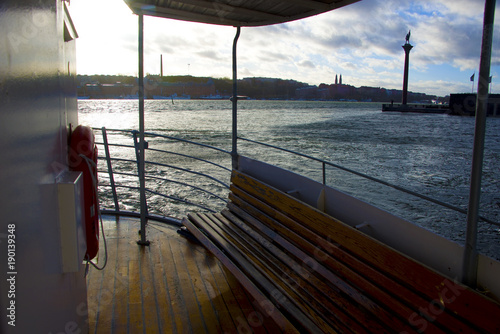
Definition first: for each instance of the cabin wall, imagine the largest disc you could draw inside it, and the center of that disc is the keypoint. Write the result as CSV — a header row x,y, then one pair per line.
x,y
37,107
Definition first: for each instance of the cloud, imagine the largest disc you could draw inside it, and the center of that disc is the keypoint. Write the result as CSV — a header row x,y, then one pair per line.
x,y
362,41
306,64
366,38
463,8
209,54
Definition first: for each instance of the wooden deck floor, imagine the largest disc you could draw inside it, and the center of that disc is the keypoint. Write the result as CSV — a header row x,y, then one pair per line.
x,y
172,286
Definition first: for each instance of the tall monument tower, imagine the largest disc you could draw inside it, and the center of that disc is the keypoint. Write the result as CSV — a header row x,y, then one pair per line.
x,y
407,47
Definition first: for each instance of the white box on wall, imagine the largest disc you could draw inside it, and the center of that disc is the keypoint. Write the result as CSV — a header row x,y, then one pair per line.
x,y
71,220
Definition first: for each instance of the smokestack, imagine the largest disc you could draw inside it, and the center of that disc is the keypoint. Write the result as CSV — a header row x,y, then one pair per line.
x,y
161,65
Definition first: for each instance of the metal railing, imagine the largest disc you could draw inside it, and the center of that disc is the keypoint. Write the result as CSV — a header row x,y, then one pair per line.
x,y
325,163
154,175
128,145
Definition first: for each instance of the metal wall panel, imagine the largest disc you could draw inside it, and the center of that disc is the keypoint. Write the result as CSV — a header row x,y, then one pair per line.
x,y
37,105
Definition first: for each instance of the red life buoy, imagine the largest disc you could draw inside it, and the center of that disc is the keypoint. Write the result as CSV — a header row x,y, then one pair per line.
x,y
83,158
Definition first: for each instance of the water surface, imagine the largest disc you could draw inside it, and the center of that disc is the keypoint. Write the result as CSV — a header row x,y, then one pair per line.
x,y
426,153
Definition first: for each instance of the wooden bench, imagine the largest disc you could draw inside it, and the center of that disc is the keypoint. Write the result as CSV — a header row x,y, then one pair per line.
x,y
312,273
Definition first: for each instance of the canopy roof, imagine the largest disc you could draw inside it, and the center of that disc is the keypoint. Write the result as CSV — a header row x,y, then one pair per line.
x,y
238,13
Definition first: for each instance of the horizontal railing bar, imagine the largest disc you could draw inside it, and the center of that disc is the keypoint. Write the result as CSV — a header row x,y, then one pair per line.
x,y
115,145
189,156
179,200
402,189
166,196
169,152
124,134
115,130
189,141
151,134
283,149
123,186
124,160
188,171
121,173
169,166
168,180
188,185
172,181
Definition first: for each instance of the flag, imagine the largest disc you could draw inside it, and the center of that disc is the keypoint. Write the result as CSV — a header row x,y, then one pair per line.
x,y
472,77
489,81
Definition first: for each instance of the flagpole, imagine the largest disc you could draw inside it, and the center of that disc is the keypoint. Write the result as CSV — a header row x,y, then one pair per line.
x,y
472,78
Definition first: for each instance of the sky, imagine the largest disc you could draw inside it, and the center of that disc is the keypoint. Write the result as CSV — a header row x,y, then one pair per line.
x,y
362,42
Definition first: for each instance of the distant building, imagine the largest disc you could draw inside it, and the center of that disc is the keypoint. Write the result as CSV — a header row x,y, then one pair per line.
x,y
308,92
465,104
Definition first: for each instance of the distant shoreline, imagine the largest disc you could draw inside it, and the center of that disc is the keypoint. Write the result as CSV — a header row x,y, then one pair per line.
x,y
118,87
229,98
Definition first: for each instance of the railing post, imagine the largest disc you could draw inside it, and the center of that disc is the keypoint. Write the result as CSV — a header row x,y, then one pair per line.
x,y
470,261
234,152
137,148
324,173
142,153
110,168
137,152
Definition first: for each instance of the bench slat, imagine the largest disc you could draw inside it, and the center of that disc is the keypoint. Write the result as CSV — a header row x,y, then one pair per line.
x,y
441,291
341,305
393,313
244,264
267,308
396,297
286,281
312,273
